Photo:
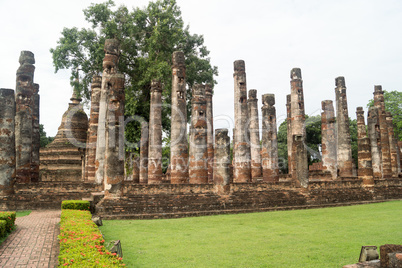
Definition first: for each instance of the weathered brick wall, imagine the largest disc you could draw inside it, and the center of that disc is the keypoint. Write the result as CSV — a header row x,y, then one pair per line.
x,y
45,195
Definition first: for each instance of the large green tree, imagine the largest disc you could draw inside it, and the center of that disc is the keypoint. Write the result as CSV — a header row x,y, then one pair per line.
x,y
148,36
393,104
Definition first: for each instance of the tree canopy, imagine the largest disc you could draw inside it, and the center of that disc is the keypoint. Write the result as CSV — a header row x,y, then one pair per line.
x,y
393,104
148,36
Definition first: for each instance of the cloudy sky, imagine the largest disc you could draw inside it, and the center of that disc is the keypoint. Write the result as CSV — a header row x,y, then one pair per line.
x,y
358,39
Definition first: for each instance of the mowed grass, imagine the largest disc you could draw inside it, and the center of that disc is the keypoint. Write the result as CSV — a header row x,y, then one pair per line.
x,y
328,237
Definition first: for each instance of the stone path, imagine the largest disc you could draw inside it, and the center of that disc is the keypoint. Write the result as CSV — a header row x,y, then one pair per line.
x,y
34,242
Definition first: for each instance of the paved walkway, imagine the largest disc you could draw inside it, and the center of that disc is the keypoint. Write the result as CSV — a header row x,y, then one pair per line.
x,y
34,242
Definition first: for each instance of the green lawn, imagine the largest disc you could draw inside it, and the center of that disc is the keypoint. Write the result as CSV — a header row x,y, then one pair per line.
x,y
328,237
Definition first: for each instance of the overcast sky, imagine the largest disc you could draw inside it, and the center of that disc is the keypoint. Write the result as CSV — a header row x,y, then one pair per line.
x,y
360,40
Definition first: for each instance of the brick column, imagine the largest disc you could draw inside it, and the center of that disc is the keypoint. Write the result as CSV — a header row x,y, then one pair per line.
x,y
198,160
7,141
373,129
365,170
400,154
210,131
269,150
328,137
155,135
344,147
384,139
222,161
35,134
144,153
24,116
392,145
299,152
254,133
179,143
110,63
242,158
93,129
114,154
289,131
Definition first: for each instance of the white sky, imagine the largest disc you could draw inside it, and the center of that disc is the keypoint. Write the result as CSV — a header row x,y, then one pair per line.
x,y
360,40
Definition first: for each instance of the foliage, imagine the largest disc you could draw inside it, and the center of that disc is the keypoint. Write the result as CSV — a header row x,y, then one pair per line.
x,y
81,243
148,36
44,140
3,231
283,147
353,138
75,204
327,237
393,104
9,217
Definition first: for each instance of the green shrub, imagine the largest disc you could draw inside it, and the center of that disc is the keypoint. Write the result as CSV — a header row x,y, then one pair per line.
x,y
81,242
3,232
75,204
9,217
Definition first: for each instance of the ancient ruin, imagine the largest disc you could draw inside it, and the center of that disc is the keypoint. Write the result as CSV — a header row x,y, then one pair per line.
x,y
254,134
242,158
198,161
179,143
269,150
344,149
87,158
155,135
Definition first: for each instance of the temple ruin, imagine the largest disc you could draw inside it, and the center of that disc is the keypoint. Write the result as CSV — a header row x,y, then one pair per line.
x,y
86,160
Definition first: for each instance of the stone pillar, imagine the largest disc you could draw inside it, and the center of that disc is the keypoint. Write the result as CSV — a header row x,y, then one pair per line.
x,y
289,131
392,145
179,143
144,152
328,137
373,129
241,150
24,116
114,154
35,135
155,135
400,155
198,160
299,153
269,150
110,63
254,133
93,129
222,161
344,146
7,141
210,131
365,170
384,139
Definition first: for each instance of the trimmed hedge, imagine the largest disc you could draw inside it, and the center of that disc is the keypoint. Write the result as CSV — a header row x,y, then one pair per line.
x,y
9,217
3,232
75,204
81,242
